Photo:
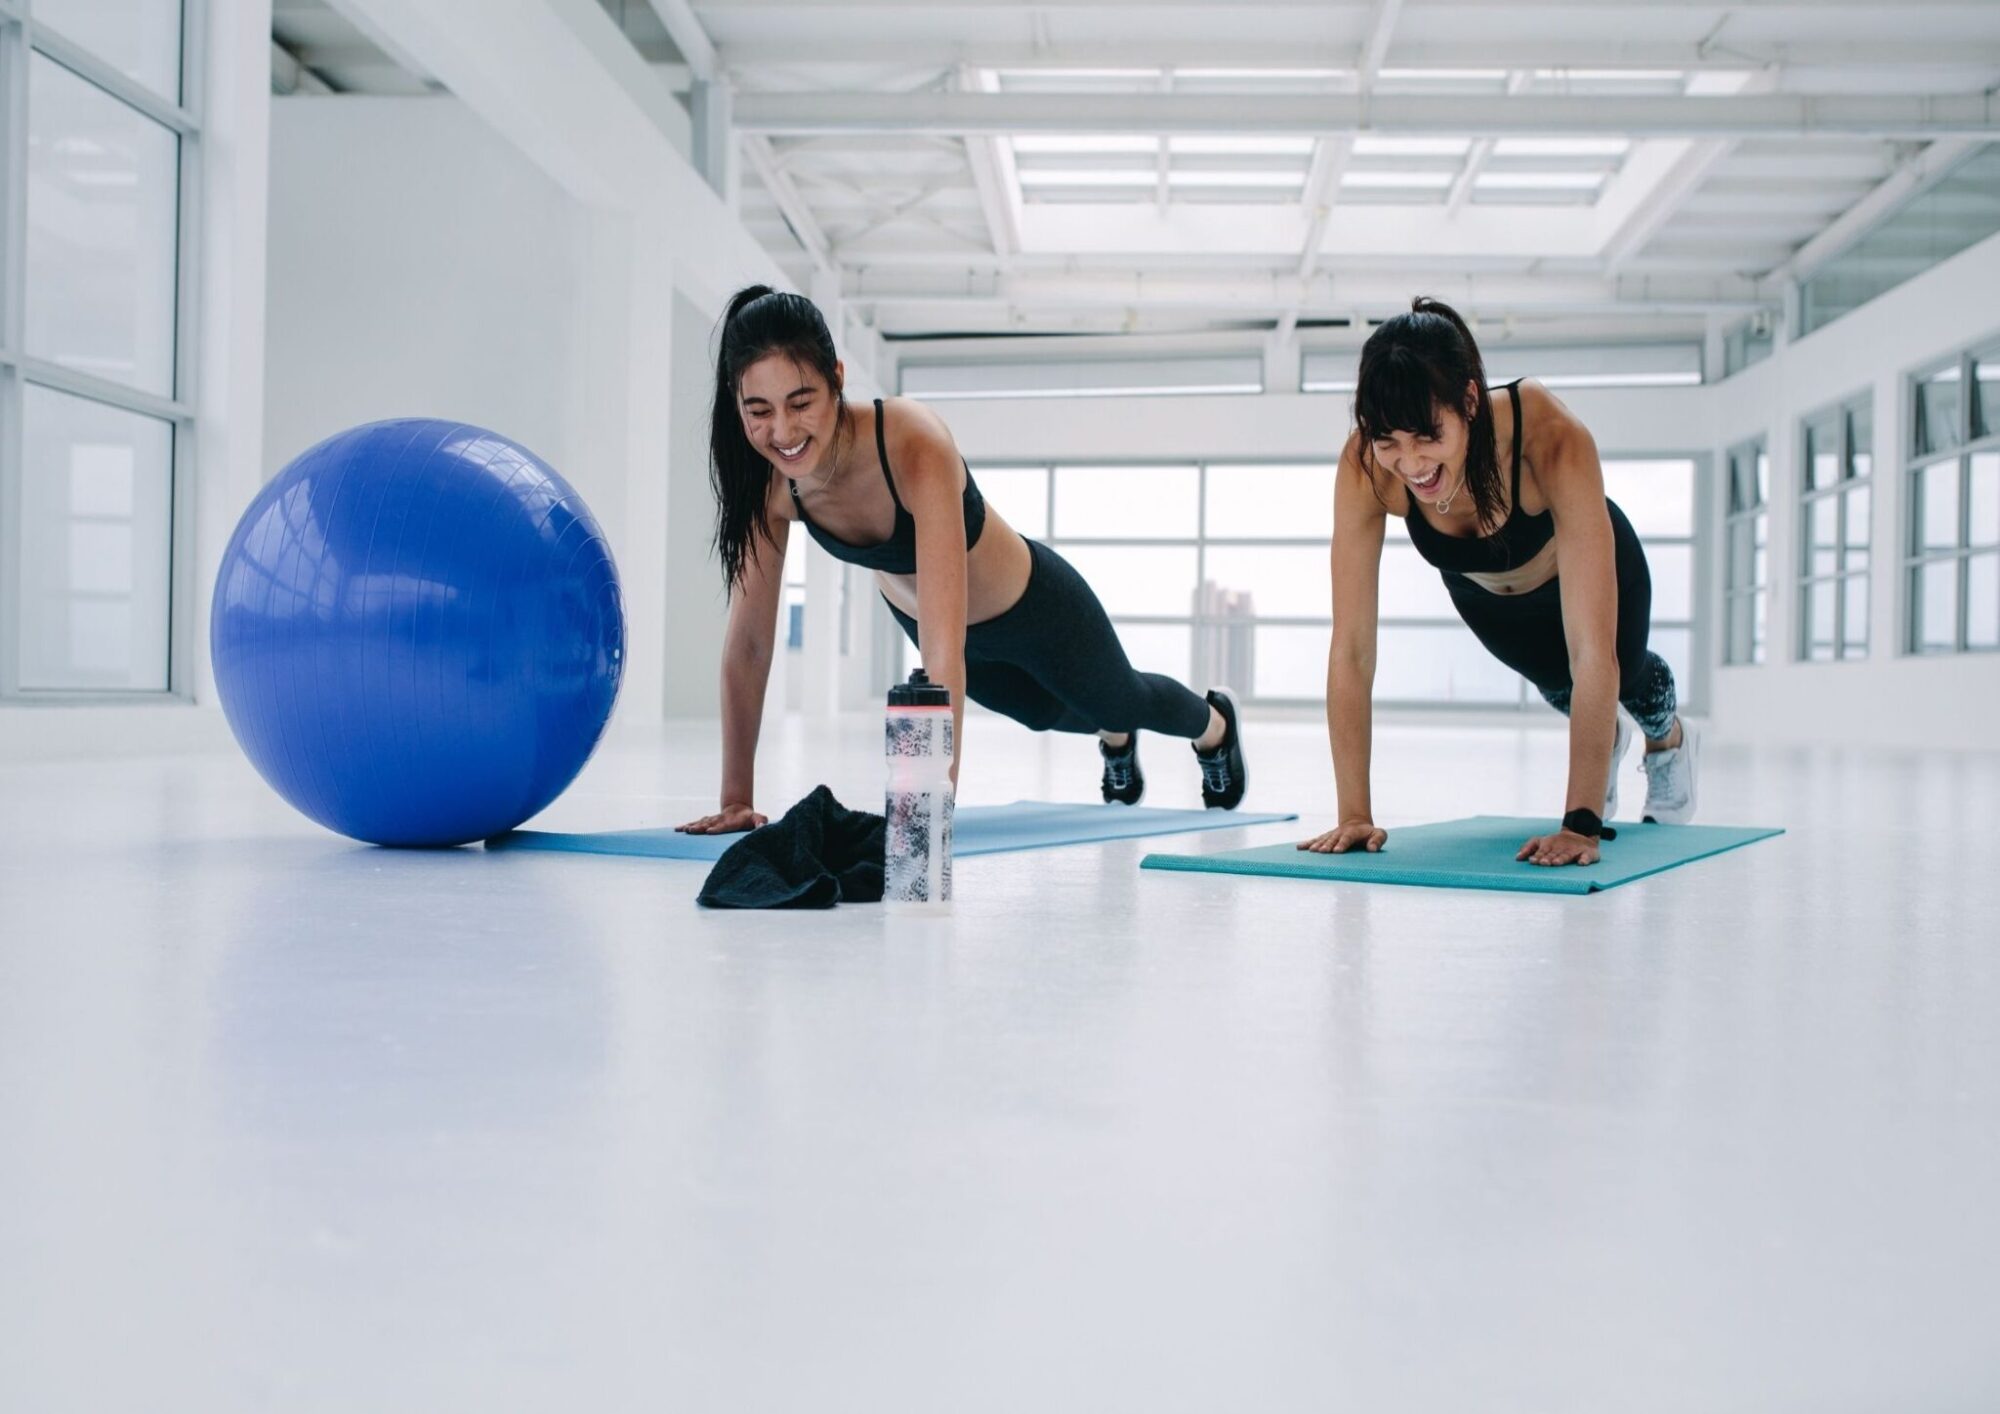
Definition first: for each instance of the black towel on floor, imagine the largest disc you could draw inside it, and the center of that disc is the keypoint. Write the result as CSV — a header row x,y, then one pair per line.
x,y
821,853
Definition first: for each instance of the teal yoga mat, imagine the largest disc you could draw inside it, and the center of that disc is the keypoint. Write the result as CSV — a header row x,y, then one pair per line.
x,y
978,829
1479,854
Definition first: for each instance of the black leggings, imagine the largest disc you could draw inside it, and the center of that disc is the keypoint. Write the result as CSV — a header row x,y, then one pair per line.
x,y
1525,631
1054,663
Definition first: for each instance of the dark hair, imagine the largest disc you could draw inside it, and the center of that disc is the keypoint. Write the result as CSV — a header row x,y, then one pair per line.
x,y
760,321
1411,366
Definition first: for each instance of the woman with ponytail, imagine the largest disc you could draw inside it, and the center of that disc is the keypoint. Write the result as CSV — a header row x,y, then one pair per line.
x,y
997,617
1507,501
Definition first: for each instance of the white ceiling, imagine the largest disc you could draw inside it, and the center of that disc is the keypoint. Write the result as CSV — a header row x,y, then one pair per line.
x,y
1128,165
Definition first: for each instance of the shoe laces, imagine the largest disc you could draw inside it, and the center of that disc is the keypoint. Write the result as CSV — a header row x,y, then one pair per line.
x,y
1214,772
1118,772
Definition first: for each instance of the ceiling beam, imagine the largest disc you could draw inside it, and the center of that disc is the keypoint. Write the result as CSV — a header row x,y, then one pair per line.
x,y
1920,171
1251,294
1320,115
993,176
798,215
685,30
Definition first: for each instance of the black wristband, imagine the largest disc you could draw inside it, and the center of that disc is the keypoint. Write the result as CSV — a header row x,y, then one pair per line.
x,y
1589,824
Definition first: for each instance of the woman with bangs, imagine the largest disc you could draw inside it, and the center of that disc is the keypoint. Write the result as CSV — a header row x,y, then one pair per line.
x,y
1505,497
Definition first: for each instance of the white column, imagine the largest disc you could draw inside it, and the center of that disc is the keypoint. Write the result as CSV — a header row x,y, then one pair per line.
x,y
235,177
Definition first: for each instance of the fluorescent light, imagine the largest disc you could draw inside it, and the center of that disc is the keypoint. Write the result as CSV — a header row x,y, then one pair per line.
x,y
1167,390
1241,146
1261,73
1562,147
1538,181
1107,177
1612,75
1237,179
1444,75
1412,146
1397,181
1067,143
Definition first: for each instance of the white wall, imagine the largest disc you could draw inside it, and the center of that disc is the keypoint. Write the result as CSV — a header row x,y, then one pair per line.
x,y
1889,697
421,266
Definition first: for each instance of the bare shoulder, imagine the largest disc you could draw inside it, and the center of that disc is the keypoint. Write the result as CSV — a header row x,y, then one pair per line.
x,y
914,431
1547,422
921,449
1360,491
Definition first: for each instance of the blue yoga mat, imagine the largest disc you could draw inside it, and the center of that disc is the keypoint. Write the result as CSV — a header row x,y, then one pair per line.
x,y
1479,854
977,829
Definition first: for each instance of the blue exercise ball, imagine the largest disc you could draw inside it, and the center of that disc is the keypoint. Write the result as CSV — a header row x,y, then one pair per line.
x,y
417,633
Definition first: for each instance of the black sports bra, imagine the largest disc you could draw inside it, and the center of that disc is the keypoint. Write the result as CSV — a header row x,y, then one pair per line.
x,y
1519,538
897,554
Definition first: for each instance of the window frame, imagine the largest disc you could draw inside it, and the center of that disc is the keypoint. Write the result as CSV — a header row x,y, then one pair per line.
x,y
1843,413
1970,442
1202,626
1756,450
22,38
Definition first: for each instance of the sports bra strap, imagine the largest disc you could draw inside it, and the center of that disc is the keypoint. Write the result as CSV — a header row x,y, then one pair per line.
x,y
882,451
1514,396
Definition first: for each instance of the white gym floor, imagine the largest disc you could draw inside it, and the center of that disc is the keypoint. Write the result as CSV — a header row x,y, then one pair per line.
x,y
292,1124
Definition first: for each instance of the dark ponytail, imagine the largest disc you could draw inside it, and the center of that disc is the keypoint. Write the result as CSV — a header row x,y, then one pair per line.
x,y
759,321
1412,365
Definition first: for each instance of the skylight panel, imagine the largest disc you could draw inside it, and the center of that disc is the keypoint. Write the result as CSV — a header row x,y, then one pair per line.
x,y
1070,144
1412,146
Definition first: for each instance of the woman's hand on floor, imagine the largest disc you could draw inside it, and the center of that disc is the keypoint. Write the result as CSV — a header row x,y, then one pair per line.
x,y
1350,835
1562,847
728,821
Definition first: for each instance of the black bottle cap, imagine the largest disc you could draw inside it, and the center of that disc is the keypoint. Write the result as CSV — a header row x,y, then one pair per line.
x,y
919,691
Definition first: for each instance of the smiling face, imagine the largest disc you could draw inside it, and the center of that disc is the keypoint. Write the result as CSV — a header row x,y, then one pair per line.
x,y
1430,463
1429,466
789,413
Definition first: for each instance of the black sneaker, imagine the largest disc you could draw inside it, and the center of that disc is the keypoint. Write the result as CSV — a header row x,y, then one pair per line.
x,y
1223,774
1123,781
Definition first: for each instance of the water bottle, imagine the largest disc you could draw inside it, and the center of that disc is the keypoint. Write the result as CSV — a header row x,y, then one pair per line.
x,y
916,846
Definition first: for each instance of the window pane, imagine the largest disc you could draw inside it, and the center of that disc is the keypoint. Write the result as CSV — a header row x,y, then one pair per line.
x,y
1283,582
1741,567
95,546
1443,664
1986,392
1291,662
1854,621
1822,540
1021,495
1160,648
1935,593
1983,499
1937,507
1126,503
103,193
1857,530
1822,452
1673,580
1656,496
1982,601
1763,476
1736,648
1264,502
1138,580
1410,588
139,38
1816,628
1937,411
1759,617
1861,439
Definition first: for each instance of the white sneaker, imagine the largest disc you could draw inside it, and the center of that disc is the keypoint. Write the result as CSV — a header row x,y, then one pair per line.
x,y
1670,780
1624,739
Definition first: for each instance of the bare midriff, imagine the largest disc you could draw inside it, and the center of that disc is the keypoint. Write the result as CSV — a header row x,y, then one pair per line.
x,y
996,574
1535,572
